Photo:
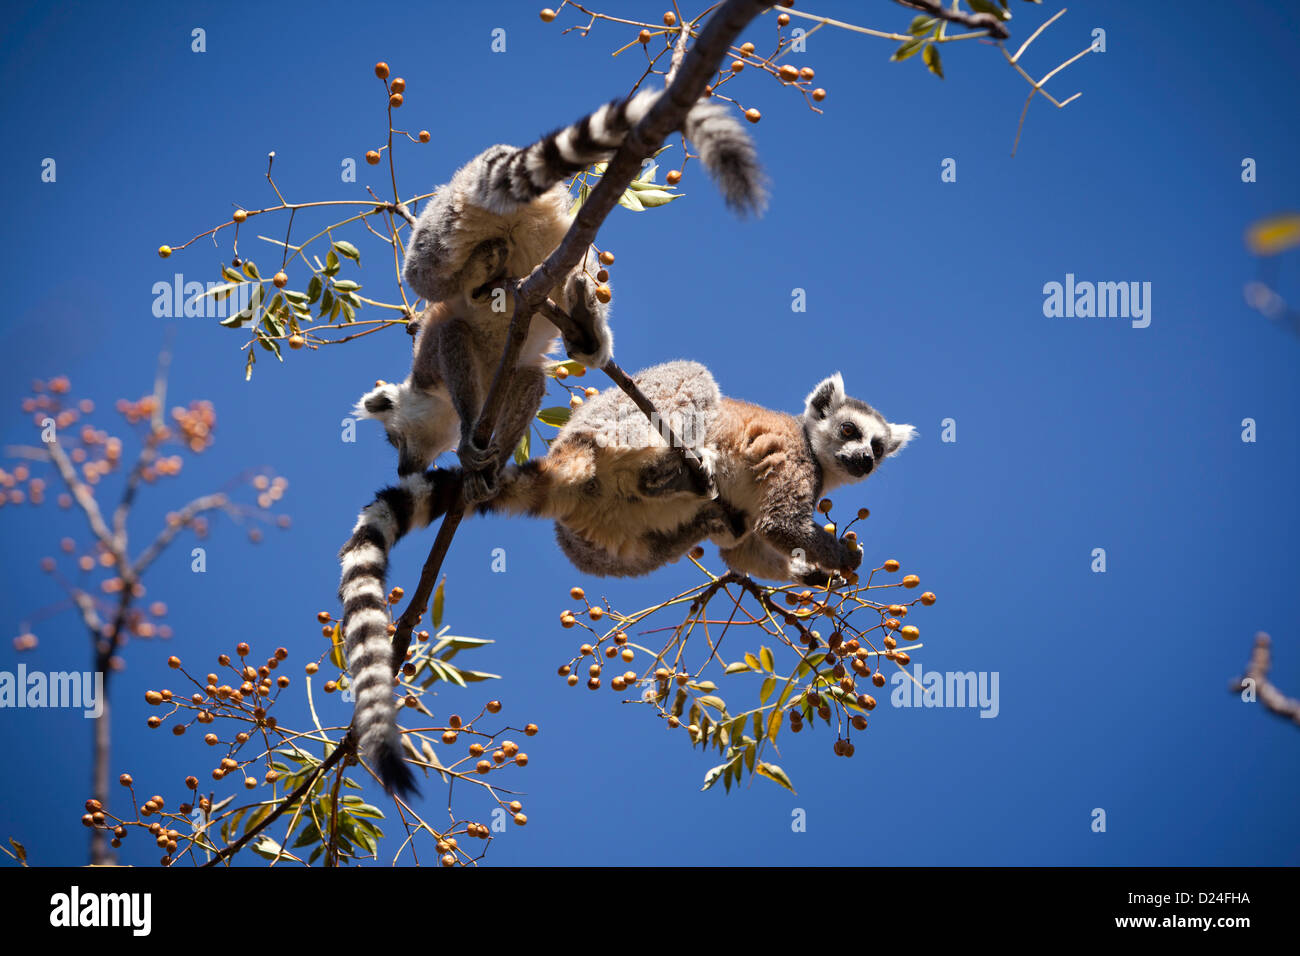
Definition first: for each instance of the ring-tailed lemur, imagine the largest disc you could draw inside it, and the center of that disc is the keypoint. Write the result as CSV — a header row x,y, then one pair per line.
x,y
624,504
501,215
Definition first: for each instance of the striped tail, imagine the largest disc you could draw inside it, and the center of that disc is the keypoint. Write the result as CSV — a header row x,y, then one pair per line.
x,y
414,503
521,175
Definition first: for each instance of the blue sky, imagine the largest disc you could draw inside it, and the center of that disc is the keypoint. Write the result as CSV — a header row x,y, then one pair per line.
x,y
1072,433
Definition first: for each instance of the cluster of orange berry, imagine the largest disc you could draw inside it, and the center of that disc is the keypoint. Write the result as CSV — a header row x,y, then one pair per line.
x,y
247,698
10,493
396,88
167,838
196,424
616,651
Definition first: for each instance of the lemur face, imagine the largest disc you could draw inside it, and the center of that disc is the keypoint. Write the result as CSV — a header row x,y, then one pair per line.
x,y
848,436
415,423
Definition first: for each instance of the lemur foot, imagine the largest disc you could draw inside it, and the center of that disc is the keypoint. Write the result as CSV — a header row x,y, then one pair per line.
x,y
724,525
595,347
479,471
485,268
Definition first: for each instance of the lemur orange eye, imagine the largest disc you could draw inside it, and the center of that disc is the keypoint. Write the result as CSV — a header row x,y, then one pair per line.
x,y
849,431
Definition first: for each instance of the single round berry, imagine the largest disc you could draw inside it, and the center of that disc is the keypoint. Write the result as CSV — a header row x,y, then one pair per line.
x,y
372,157
381,70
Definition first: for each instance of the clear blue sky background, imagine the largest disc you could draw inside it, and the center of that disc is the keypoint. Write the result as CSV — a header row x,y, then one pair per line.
x,y
1073,434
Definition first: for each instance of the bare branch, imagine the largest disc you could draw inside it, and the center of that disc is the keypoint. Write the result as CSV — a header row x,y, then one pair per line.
x,y
1268,693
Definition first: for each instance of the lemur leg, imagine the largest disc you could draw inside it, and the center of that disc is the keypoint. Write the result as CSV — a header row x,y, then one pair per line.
x,y
653,550
523,399
460,371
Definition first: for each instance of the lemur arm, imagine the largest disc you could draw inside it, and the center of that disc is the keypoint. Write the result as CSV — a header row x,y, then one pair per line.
x,y
787,521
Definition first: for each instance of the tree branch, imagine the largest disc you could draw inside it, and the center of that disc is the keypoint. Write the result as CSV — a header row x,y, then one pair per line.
x,y
1268,693
978,21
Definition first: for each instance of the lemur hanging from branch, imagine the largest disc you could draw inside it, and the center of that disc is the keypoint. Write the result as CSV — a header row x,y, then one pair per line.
x,y
624,505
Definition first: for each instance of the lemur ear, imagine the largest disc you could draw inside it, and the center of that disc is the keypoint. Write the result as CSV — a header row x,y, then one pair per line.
x,y
825,397
899,436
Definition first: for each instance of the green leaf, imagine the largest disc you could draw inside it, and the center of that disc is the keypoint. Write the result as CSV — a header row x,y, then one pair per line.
x,y
331,263
717,703
921,24
474,676
629,200
773,772
909,48
221,291
298,298
314,288
737,667
557,415
988,6
346,285
712,776
752,661
439,599
347,249
651,198
521,450
769,685
265,847
931,58
774,724
769,662
250,269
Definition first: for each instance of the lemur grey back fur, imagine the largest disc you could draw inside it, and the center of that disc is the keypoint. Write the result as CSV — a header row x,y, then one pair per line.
x,y
498,218
483,199
624,505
